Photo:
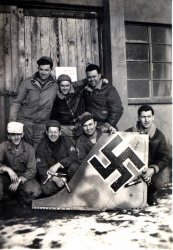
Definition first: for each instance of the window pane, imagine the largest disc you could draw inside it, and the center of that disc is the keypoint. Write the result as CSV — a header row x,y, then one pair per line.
x,y
162,88
137,70
137,52
162,71
138,33
138,89
161,35
161,53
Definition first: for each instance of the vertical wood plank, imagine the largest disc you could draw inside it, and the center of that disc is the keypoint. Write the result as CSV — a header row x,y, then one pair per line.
x,y
88,42
44,33
53,23
71,31
2,70
7,50
94,39
36,42
80,44
21,44
14,47
63,40
28,44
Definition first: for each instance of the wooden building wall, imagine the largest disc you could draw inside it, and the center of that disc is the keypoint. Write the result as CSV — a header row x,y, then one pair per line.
x,y
22,37
28,34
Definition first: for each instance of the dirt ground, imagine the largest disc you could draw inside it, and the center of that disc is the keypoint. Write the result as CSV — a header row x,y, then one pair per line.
x,y
149,228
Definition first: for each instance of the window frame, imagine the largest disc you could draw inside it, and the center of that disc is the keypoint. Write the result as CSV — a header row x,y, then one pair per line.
x,y
151,99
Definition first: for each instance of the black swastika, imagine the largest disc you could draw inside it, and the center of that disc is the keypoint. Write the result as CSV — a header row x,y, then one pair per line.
x,y
116,163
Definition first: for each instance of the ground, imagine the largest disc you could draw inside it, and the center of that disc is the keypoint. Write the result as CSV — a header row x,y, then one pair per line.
x,y
149,228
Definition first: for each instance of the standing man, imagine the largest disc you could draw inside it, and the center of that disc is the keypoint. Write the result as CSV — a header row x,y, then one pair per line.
x,y
89,137
18,166
101,100
34,102
68,105
158,150
55,153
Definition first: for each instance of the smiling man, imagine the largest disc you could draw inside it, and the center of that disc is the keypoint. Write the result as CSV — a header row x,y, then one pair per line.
x,y
102,100
158,151
90,135
34,102
56,153
18,166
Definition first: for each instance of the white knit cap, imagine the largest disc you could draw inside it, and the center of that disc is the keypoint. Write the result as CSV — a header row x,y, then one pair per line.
x,y
15,127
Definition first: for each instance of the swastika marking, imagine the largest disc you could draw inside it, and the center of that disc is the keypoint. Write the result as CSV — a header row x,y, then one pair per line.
x,y
116,163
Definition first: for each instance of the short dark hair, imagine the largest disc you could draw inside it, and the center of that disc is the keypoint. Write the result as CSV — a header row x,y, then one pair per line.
x,y
45,60
145,108
91,67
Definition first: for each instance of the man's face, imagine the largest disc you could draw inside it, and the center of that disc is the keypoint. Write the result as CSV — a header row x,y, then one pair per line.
x,y
53,133
93,77
15,138
146,119
44,71
89,127
65,87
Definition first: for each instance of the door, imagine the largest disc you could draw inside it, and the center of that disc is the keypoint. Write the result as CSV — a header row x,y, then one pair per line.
x,y
70,38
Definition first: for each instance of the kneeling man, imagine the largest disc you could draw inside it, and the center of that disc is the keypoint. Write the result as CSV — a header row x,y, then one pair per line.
x,y
158,150
18,166
55,154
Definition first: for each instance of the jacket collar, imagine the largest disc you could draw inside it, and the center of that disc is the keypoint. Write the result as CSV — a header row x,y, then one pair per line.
x,y
20,151
37,81
61,96
98,86
150,132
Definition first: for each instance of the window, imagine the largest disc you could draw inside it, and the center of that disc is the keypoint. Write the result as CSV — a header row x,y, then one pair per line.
x,y
148,57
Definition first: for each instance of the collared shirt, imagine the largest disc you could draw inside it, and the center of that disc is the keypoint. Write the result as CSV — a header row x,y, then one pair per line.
x,y
21,161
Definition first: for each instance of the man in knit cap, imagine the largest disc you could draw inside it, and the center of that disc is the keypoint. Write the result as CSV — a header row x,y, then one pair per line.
x,y
56,153
34,102
18,166
68,105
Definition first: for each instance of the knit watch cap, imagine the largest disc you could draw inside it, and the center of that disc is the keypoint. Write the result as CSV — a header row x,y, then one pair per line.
x,y
64,77
53,123
15,127
45,60
85,119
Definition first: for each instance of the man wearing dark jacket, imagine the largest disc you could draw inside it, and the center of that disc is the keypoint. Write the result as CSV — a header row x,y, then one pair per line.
x,y
101,100
56,153
158,150
34,102
68,105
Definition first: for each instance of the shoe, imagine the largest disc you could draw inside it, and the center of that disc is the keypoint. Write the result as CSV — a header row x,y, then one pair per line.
x,y
152,200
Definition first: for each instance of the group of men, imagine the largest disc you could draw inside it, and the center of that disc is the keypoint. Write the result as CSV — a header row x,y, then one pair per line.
x,y
53,125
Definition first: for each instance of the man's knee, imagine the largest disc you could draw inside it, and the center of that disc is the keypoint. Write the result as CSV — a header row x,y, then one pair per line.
x,y
160,179
49,188
72,170
32,188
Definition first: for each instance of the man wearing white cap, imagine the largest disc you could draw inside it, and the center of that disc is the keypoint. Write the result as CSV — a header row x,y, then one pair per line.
x,y
34,102
18,166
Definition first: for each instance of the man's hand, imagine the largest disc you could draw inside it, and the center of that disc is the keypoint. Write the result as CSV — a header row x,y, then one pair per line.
x,y
13,176
14,185
147,175
60,181
52,170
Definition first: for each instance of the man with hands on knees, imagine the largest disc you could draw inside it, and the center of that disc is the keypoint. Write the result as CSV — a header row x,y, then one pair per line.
x,y
56,159
18,166
158,151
